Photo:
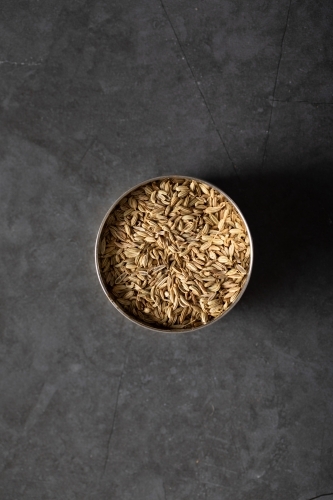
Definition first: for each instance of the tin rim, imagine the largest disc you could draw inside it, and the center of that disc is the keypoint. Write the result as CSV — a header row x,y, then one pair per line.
x,y
137,321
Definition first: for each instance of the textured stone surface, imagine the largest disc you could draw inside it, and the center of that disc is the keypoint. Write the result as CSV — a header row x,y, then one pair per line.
x,y
95,97
304,74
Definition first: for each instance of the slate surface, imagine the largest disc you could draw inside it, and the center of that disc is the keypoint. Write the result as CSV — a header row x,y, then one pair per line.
x,y
97,96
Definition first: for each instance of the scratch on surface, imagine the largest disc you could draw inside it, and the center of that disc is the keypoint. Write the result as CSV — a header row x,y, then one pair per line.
x,y
115,409
275,84
321,448
43,401
224,441
288,356
288,101
87,150
83,44
236,445
224,469
199,89
15,63
218,485
163,486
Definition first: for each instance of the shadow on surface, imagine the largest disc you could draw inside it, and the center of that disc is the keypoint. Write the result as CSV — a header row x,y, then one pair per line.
x,y
290,216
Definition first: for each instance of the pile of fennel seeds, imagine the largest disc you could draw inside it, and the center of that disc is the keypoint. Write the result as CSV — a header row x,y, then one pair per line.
x,y
174,253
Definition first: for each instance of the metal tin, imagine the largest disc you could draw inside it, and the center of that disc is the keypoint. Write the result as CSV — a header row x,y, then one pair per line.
x,y
137,321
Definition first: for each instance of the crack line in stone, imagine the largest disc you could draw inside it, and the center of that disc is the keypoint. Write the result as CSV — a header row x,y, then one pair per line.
x,y
275,84
321,496
199,89
116,408
163,485
321,448
87,150
83,44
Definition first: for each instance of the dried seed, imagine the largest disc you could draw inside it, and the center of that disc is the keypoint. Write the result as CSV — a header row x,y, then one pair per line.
x,y
191,266
205,246
240,269
213,209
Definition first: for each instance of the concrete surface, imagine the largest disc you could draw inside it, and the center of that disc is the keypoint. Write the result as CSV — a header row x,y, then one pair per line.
x,y
97,96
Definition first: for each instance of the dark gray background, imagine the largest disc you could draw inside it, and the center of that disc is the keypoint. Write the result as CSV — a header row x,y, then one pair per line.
x,y
97,96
